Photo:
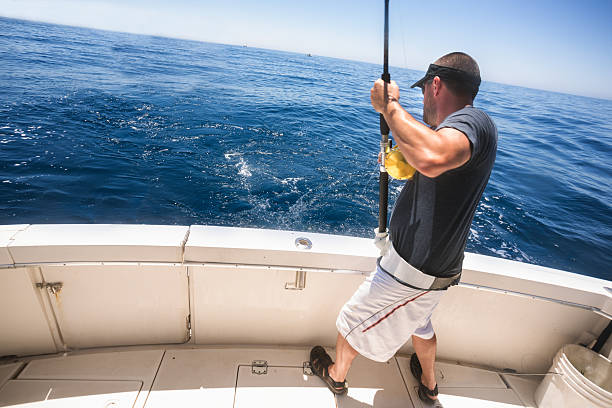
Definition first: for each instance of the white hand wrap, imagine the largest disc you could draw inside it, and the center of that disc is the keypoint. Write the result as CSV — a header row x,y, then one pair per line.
x,y
382,242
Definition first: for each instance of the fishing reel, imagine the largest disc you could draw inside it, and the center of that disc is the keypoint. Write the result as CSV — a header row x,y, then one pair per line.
x,y
396,165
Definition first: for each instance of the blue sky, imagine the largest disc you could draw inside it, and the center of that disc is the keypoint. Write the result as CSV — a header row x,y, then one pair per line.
x,y
563,46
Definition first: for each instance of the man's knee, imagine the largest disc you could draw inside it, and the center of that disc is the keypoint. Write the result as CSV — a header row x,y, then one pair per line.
x,y
430,340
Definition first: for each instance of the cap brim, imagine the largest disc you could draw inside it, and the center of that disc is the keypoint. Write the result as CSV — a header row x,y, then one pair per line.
x,y
420,83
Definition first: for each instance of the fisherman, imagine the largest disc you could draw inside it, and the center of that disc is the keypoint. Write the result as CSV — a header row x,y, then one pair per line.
x,y
431,220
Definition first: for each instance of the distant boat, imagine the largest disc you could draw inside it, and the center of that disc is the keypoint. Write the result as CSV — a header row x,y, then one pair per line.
x,y
309,55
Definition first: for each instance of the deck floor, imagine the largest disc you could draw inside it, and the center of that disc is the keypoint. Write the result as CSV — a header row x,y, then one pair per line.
x,y
225,377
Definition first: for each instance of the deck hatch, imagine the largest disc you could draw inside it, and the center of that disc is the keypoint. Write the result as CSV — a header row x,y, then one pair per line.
x,y
70,393
279,386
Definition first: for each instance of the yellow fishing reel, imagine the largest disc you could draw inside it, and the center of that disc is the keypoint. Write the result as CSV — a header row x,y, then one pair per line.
x,y
397,166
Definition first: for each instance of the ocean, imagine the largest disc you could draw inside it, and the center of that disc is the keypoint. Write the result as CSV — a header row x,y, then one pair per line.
x,y
105,127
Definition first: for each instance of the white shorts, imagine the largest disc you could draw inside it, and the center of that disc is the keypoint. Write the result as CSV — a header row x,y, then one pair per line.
x,y
383,314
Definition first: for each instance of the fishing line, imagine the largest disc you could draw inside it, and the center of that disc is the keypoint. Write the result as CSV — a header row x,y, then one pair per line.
x,y
404,39
367,183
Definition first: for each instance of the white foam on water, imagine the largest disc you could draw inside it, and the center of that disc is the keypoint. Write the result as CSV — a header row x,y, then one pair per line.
x,y
243,168
261,205
291,180
474,233
502,253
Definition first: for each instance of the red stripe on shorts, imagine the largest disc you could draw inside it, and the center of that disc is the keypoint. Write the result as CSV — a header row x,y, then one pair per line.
x,y
394,309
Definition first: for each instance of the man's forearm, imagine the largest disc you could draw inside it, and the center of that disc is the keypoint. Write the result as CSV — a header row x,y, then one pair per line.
x,y
418,143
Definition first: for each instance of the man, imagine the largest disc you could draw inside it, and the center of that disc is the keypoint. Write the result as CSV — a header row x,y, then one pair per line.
x,y
428,228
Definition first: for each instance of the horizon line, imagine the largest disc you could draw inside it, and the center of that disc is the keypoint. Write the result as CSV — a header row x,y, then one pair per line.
x,y
603,98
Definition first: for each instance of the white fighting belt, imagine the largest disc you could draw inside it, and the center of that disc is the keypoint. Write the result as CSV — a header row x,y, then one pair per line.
x,y
392,263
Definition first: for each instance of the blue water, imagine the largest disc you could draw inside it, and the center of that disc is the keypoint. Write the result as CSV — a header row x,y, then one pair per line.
x,y
101,127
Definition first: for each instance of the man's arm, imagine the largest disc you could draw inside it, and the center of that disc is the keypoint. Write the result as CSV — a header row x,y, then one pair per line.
x,y
430,152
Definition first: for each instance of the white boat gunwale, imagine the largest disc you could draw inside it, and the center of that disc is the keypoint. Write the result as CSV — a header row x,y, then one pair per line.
x,y
266,260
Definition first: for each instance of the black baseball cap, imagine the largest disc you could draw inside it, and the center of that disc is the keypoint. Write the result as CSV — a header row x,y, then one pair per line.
x,y
448,73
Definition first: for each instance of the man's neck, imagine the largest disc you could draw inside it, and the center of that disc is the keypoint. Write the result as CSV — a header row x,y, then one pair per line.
x,y
445,111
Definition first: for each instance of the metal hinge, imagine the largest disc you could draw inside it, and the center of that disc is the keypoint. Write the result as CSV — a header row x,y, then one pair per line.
x,y
299,283
307,368
259,367
53,287
188,324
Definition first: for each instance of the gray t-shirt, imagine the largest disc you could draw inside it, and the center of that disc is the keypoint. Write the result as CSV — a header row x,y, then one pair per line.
x,y
432,216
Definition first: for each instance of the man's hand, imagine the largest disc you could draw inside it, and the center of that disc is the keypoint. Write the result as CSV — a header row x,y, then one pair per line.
x,y
377,95
382,241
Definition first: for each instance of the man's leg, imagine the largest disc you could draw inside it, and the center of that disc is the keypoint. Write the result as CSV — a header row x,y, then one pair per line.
x,y
345,354
426,352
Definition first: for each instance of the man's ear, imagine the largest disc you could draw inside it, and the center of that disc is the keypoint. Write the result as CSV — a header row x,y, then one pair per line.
x,y
436,84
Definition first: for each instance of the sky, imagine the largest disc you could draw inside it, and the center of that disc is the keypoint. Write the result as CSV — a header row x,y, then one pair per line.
x,y
563,46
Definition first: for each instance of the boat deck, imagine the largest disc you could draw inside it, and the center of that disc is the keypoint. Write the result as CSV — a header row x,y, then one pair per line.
x,y
189,376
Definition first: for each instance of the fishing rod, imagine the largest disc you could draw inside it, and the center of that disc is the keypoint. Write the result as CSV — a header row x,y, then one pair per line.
x,y
383,177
